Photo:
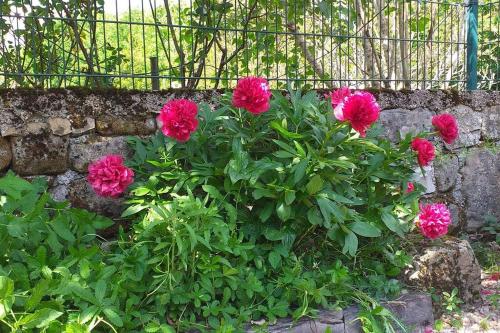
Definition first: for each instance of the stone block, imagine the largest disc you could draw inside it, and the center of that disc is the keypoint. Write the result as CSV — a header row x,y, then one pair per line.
x,y
469,126
5,154
446,171
86,149
84,126
398,122
491,123
109,126
39,154
426,178
59,126
481,186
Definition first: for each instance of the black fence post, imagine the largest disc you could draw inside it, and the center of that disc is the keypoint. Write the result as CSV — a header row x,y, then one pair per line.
x,y
155,80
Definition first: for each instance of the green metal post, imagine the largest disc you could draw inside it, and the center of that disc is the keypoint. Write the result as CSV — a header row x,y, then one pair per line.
x,y
472,42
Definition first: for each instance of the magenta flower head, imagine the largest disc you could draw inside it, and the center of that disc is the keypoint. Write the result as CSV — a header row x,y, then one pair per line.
x,y
361,111
338,97
178,119
433,220
252,94
446,124
109,177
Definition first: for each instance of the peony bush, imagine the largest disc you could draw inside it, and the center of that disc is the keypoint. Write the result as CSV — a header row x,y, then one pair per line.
x,y
286,203
270,205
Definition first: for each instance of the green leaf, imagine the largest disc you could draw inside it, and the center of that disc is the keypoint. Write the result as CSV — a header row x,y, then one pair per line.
x,y
6,287
283,154
39,319
315,185
364,229
14,186
141,191
284,132
113,317
213,191
273,234
274,259
74,327
300,171
134,209
314,217
289,197
37,294
83,293
284,211
392,223
342,164
266,212
350,243
60,226
100,290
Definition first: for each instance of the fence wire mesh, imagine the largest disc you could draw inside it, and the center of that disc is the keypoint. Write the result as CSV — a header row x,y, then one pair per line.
x,y
204,44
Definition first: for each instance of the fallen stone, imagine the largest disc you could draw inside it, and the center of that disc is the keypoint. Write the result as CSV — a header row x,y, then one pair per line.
x,y
398,122
481,186
469,126
39,154
446,266
332,320
351,322
446,171
81,195
414,310
59,126
5,154
491,123
85,150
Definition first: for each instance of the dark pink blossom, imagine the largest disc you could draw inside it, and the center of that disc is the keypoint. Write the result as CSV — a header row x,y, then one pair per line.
x,y
252,94
109,177
178,119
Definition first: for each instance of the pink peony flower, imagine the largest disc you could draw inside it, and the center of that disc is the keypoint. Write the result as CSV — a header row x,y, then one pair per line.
x,y
252,94
410,187
447,127
178,119
109,177
428,329
361,111
433,220
424,149
338,97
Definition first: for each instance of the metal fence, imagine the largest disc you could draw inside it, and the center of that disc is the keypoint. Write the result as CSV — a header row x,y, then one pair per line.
x,y
204,44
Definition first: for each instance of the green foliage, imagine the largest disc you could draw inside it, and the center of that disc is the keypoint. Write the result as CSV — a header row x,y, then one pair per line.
x,y
270,215
256,217
451,301
50,263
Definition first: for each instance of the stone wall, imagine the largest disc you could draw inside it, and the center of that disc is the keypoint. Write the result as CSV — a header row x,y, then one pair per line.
x,y
58,132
